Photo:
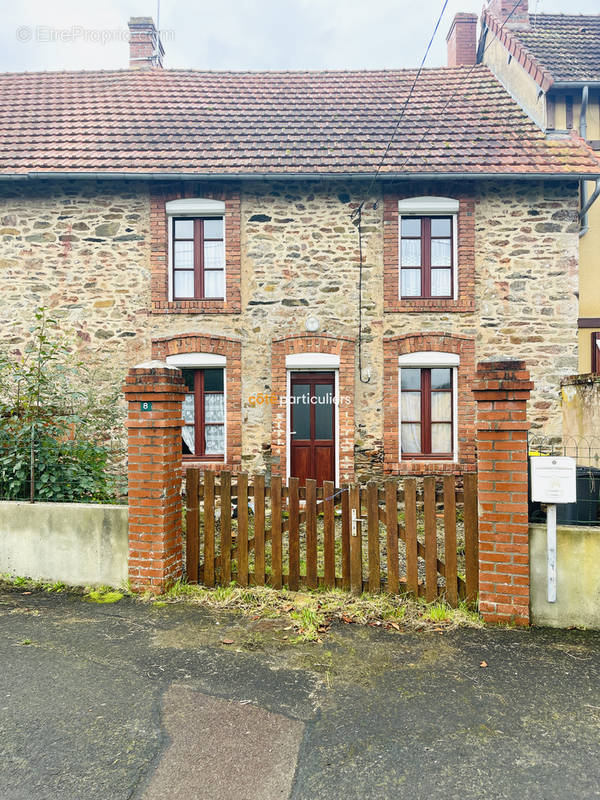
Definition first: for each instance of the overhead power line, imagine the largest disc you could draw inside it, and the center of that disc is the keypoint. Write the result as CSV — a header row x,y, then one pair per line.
x,y
404,107
357,213
461,84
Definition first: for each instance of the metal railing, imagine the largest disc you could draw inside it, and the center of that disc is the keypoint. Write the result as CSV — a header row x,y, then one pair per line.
x,y
586,452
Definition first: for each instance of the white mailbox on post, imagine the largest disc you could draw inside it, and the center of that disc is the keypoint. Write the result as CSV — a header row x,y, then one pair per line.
x,y
553,480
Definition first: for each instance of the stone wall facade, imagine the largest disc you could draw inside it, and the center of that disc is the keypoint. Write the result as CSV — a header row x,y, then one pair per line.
x,y
88,251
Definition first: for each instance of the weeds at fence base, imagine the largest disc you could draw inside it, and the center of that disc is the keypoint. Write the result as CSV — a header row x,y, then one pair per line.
x,y
311,613
308,615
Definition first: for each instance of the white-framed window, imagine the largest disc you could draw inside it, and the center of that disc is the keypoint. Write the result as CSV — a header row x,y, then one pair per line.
x,y
428,406
196,249
204,433
428,248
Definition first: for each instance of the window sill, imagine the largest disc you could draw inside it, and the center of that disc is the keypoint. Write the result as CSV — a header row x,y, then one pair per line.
x,y
426,459
420,468
195,307
422,305
202,460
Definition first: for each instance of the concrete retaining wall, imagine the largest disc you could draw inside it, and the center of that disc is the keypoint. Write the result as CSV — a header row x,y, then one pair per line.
x,y
578,577
76,543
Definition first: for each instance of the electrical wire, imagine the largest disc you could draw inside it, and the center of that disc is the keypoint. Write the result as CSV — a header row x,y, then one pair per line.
x,y
357,213
404,107
464,80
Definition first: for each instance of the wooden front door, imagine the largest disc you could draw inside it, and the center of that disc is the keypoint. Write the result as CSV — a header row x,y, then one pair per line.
x,y
312,426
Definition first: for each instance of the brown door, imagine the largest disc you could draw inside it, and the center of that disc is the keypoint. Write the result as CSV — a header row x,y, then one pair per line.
x,y
312,426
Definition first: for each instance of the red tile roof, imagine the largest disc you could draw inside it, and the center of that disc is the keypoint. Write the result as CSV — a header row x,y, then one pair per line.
x,y
274,123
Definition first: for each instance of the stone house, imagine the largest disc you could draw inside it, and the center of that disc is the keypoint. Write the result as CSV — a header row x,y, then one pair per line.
x,y
325,270
550,64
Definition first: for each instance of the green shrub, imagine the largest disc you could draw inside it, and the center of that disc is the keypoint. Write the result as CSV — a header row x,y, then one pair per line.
x,y
54,429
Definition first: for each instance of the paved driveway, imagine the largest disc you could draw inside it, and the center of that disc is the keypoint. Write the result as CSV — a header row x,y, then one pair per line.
x,y
134,701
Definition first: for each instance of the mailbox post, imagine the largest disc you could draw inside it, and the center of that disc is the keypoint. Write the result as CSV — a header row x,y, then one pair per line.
x,y
553,480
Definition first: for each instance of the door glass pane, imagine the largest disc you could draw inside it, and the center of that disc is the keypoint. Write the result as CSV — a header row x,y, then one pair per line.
x,y
214,408
184,228
441,253
214,255
410,379
411,226
213,228
441,282
324,411
187,409
300,411
214,439
213,380
410,406
411,252
188,446
188,378
184,284
440,226
213,283
411,283
441,437
411,437
441,406
441,378
184,255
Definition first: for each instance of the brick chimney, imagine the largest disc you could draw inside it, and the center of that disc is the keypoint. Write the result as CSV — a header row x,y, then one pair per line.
x,y
145,48
501,9
462,41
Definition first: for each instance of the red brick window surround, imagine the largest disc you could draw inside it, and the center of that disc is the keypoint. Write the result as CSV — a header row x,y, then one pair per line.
x,y
196,203
447,202
423,347
201,352
342,347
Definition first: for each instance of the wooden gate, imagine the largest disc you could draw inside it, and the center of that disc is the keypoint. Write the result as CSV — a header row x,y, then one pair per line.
x,y
408,535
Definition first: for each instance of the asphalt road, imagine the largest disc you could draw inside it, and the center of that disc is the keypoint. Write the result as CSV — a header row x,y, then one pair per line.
x,y
134,701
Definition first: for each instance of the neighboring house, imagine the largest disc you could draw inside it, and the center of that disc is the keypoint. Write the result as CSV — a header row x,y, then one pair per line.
x,y
550,64
211,220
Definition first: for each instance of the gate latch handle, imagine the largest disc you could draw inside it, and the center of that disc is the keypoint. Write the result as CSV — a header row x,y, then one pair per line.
x,y
356,520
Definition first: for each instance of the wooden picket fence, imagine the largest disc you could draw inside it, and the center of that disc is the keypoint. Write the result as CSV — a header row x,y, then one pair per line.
x,y
404,538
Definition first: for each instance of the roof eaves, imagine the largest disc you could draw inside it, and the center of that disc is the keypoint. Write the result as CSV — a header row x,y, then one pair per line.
x,y
273,176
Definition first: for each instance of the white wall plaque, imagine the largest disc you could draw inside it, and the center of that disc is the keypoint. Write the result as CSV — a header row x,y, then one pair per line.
x,y
553,479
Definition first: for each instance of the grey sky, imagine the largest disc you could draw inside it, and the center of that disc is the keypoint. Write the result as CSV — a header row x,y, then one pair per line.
x,y
239,34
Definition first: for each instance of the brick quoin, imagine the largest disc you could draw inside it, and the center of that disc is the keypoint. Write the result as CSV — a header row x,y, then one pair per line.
x,y
154,475
501,390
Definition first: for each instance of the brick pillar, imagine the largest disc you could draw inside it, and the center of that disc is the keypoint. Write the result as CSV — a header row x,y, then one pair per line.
x,y
154,474
501,390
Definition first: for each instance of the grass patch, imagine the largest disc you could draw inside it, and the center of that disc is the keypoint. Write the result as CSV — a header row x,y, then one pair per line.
x,y
54,587
103,595
311,613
